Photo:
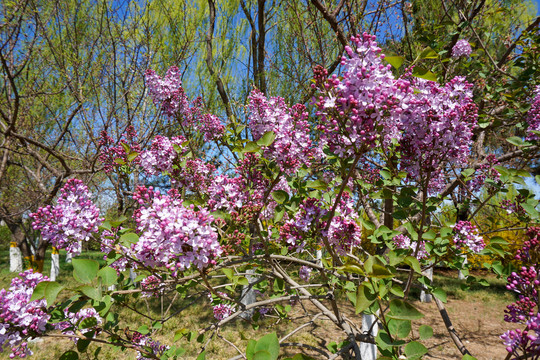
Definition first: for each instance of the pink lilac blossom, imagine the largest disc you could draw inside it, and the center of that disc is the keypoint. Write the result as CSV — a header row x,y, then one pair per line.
x,y
366,105
461,48
343,232
151,286
404,242
74,218
292,146
305,273
466,235
167,92
169,95
75,321
195,175
175,236
148,346
525,282
485,171
162,154
533,116
21,318
222,311
514,206
112,157
437,128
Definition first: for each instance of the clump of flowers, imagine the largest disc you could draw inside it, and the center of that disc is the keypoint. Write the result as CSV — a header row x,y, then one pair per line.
x,y
533,116
309,223
169,95
222,311
292,146
147,345
485,171
114,156
462,48
404,242
466,235
525,282
305,273
162,154
86,320
363,106
437,129
74,218
151,286
175,236
21,318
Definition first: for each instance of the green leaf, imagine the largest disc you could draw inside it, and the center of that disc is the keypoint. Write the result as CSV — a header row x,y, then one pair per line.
x,y
85,270
395,61
241,280
413,263
91,292
280,196
428,53
439,294
130,238
82,345
531,210
69,355
88,322
429,235
399,328
267,139
364,298
468,357
202,356
402,310
108,276
268,343
251,147
317,184
229,273
423,73
51,291
250,350
39,291
415,350
515,140
263,355
425,332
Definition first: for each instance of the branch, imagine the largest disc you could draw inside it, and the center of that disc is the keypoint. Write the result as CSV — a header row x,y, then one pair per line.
x,y
210,59
448,323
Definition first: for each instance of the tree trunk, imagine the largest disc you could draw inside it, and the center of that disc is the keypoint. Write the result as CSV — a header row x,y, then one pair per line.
x,y
15,258
425,297
369,326
55,264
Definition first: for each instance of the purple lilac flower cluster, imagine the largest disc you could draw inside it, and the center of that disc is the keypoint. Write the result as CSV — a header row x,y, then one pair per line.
x,y
73,219
162,155
462,48
533,116
485,171
146,345
404,242
514,206
112,156
292,146
437,127
363,106
308,223
151,286
167,92
21,318
466,235
525,343
75,321
305,273
221,310
175,236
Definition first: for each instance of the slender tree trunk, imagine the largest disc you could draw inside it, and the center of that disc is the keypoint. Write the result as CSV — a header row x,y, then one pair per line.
x,y
424,296
55,264
15,258
369,326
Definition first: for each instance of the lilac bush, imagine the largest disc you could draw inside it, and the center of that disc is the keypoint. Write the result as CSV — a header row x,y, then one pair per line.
x,y
461,48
